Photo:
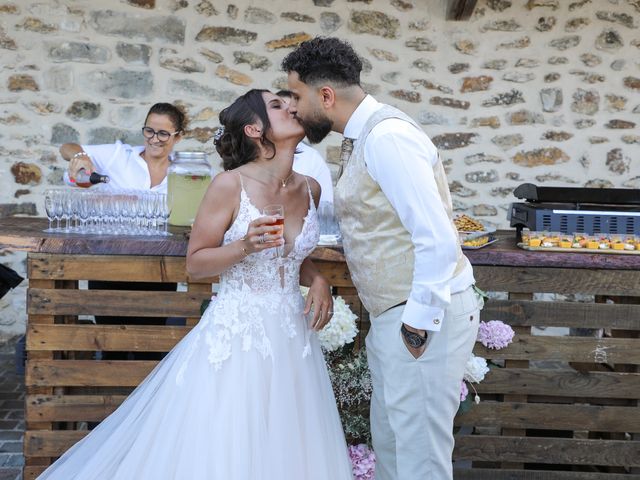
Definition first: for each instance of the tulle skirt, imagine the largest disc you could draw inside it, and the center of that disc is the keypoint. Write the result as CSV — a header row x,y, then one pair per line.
x,y
253,418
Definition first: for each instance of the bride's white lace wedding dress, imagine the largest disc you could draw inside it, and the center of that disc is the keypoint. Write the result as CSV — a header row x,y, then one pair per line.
x,y
244,396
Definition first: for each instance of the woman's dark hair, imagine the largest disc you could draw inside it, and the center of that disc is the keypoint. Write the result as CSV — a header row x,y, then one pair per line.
x,y
175,114
233,145
325,59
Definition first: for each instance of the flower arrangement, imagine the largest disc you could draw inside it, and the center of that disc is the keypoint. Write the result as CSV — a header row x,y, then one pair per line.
x,y
495,335
341,329
351,381
364,462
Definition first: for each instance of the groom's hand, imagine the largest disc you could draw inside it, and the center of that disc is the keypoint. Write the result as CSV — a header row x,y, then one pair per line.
x,y
415,352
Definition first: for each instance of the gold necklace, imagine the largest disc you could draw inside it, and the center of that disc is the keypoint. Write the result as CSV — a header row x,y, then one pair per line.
x,y
283,182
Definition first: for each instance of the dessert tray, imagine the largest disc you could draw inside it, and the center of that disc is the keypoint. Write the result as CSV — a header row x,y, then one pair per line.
x,y
580,243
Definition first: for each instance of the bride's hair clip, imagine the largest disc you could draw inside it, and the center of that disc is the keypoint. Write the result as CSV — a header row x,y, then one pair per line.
x,y
218,135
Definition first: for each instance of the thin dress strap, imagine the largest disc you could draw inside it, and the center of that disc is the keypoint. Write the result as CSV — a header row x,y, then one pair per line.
x,y
311,201
241,183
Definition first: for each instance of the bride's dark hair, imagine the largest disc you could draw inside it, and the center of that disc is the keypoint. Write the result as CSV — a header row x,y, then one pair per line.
x,y
233,145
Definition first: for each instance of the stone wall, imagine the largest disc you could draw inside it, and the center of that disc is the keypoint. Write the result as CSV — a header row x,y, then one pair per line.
x,y
543,91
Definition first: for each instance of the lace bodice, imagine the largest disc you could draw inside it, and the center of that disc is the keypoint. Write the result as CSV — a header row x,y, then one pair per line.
x,y
260,272
258,292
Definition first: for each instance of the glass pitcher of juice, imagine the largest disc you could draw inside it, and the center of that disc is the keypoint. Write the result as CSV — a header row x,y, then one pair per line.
x,y
189,176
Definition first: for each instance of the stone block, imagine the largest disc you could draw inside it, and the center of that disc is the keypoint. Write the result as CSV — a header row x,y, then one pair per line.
x,y
233,76
374,23
80,52
119,83
540,156
169,29
26,173
22,82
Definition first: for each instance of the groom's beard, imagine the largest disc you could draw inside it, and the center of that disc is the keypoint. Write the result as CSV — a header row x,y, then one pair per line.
x,y
316,129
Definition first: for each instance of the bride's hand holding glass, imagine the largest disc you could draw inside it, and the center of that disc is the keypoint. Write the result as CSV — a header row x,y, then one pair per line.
x,y
261,235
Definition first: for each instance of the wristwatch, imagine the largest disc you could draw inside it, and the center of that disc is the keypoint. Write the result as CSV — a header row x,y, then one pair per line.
x,y
414,340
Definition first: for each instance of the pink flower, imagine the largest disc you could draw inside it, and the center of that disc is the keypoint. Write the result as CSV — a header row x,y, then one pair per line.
x,y
495,334
363,462
464,391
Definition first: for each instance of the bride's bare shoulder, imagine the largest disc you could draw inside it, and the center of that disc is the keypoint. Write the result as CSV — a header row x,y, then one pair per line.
x,y
226,182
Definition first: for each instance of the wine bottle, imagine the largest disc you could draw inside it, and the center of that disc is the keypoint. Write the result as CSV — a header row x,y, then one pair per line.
x,y
85,180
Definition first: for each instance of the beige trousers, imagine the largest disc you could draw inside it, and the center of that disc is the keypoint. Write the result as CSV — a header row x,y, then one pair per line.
x,y
414,400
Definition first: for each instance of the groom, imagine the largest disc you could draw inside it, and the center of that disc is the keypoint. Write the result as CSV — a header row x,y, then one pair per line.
x,y
403,253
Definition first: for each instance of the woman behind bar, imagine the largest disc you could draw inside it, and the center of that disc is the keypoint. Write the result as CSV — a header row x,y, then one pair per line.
x,y
246,394
129,167
141,167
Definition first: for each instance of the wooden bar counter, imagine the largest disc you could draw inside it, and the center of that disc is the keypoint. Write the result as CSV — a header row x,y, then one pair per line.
x,y
560,403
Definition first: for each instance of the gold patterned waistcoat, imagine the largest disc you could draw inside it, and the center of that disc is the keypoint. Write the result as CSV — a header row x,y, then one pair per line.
x,y
377,247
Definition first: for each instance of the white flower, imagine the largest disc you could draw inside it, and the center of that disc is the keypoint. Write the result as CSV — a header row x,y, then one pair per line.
x,y
341,329
476,369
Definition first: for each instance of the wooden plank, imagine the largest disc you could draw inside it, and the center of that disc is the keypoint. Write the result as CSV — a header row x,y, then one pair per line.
x,y
51,443
26,234
460,9
561,383
571,349
115,338
32,472
123,303
558,280
110,267
203,289
71,408
519,331
495,474
36,465
502,381
505,252
558,451
337,274
87,373
563,314
524,449
551,417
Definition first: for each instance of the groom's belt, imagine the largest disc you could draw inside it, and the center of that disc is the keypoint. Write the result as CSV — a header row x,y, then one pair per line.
x,y
396,306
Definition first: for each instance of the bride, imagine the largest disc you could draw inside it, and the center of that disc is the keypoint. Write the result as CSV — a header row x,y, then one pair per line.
x,y
245,395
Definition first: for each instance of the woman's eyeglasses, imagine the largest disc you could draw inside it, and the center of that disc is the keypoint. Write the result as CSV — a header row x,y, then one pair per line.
x,y
162,135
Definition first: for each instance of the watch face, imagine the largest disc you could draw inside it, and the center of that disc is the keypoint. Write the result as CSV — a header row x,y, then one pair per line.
x,y
413,339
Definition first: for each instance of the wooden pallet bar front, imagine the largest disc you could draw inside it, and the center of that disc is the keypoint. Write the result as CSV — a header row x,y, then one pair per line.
x,y
560,402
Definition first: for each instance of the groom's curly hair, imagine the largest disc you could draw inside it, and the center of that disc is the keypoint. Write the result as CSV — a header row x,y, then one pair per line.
x,y
325,59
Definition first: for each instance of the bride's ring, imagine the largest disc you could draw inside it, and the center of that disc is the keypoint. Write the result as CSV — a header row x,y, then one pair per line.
x,y
262,240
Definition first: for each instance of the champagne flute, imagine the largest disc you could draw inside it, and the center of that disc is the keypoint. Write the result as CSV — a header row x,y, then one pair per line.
x,y
50,208
277,211
165,212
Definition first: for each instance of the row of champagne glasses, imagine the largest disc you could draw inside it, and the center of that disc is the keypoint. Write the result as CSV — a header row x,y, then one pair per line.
x,y
107,212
